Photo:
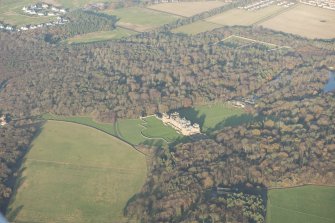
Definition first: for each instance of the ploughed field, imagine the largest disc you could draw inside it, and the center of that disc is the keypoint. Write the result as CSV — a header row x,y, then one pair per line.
x,y
307,204
75,173
304,20
187,9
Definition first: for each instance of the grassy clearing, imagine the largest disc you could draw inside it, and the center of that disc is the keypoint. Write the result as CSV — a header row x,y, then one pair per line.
x,y
154,128
118,33
304,20
141,19
75,173
197,27
215,116
243,17
308,204
187,9
11,12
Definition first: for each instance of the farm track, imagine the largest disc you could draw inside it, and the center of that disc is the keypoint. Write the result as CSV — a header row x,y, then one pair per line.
x,y
169,13
300,212
83,166
274,15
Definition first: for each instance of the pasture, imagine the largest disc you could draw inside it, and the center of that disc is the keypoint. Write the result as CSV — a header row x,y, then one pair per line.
x,y
118,33
141,19
196,27
304,20
308,204
186,9
244,18
75,173
215,116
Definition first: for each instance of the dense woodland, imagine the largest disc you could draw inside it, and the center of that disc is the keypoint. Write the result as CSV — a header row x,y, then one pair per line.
x,y
291,142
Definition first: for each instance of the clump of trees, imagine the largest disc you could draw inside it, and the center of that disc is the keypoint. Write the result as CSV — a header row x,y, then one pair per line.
x,y
80,22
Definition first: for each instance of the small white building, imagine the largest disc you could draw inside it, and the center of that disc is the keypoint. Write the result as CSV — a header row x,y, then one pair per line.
x,y
9,28
23,28
3,121
54,9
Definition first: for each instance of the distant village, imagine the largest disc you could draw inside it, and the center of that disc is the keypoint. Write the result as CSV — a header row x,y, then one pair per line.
x,y
39,9
326,4
182,125
266,3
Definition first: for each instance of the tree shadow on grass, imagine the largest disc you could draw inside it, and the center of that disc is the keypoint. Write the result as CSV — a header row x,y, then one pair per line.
x,y
192,115
231,122
16,180
12,214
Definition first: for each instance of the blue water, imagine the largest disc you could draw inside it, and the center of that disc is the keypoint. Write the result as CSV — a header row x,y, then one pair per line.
x,y
330,86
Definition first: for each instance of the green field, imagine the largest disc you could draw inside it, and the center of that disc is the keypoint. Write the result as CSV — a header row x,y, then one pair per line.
x,y
141,19
215,116
196,27
75,173
154,128
308,204
105,127
133,131
118,33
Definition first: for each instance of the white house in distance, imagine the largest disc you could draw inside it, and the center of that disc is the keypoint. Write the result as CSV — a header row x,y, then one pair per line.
x,y
182,125
3,121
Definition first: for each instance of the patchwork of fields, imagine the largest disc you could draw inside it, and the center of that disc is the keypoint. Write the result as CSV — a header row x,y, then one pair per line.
x,y
308,204
75,173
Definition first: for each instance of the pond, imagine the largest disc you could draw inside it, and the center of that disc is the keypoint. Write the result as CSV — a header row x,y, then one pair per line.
x,y
330,86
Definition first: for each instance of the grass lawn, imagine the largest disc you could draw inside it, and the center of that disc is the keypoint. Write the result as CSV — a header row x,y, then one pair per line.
x,y
11,12
242,17
308,204
75,173
196,27
156,129
215,116
118,33
141,19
